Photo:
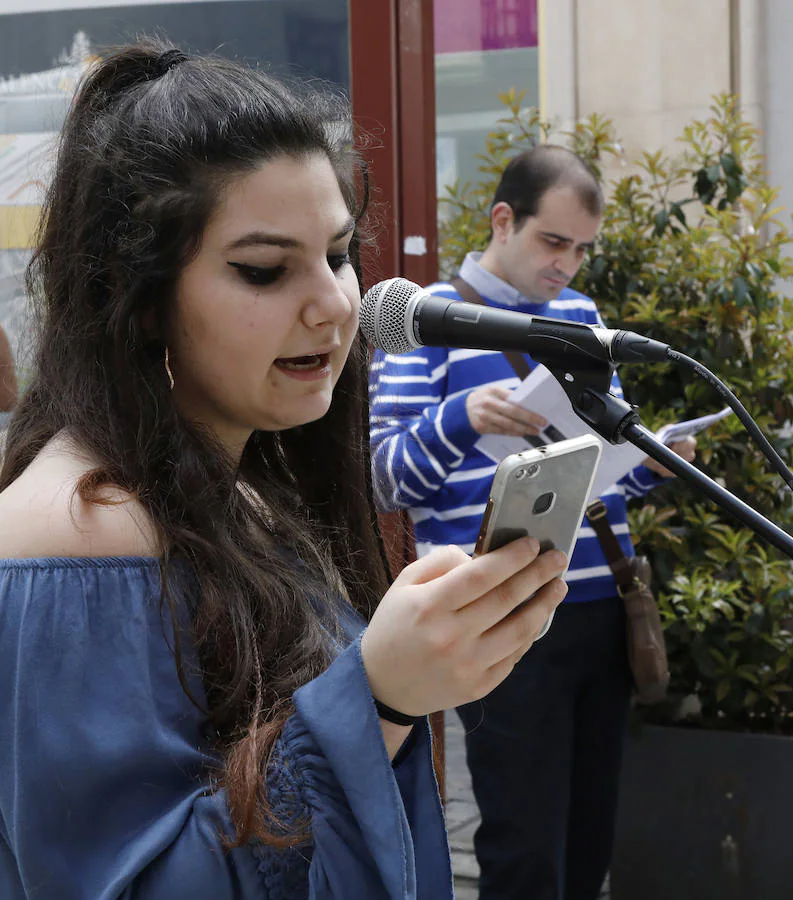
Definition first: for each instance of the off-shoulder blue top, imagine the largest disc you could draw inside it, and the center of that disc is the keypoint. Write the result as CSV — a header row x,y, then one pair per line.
x,y
106,776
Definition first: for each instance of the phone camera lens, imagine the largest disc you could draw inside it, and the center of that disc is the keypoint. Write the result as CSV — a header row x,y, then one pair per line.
x,y
527,471
543,503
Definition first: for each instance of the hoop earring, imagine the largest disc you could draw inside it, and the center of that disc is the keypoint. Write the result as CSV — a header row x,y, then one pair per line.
x,y
168,371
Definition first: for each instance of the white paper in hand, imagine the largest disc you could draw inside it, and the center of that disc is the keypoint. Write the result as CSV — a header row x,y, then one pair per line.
x,y
676,431
542,393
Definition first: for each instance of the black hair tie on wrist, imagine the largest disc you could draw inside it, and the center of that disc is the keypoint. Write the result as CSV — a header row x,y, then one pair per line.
x,y
393,715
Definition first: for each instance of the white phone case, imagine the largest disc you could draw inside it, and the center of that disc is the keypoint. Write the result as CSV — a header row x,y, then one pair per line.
x,y
543,493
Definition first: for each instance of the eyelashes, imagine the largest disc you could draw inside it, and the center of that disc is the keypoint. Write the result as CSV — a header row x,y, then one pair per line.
x,y
338,261
258,276
263,276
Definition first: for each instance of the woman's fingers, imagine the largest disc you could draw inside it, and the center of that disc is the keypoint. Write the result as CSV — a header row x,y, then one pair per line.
x,y
466,584
432,566
507,643
449,626
510,638
486,611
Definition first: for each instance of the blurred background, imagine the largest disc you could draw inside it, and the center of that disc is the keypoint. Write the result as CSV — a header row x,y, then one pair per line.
x,y
424,78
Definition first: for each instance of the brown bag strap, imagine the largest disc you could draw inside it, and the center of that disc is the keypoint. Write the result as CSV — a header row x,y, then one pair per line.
x,y
618,562
471,295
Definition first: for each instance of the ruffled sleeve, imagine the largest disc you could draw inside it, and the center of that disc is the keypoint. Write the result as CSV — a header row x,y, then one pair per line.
x,y
106,784
376,835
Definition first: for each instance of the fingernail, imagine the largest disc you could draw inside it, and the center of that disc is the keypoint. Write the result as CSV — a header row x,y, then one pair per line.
x,y
559,559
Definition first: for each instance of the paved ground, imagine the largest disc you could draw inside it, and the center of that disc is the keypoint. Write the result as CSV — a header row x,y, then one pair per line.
x,y
462,815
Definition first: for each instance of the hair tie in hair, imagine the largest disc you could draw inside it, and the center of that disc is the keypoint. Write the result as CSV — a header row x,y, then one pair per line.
x,y
166,61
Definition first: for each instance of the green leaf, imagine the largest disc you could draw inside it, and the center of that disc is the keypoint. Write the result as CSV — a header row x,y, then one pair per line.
x,y
676,210
740,291
729,164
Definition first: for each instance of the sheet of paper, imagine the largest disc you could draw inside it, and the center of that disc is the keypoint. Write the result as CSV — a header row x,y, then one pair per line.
x,y
676,431
543,394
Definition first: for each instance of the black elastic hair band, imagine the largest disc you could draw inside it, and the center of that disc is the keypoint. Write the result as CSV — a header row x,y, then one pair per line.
x,y
393,715
166,61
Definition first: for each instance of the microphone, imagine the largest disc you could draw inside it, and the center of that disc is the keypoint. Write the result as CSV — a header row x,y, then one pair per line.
x,y
398,316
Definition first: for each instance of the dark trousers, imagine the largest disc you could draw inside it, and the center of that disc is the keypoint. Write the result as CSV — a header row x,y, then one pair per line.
x,y
544,751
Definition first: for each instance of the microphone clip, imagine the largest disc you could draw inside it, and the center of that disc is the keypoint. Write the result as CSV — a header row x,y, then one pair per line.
x,y
587,383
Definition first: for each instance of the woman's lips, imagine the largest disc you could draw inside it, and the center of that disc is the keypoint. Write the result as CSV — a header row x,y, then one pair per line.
x,y
305,368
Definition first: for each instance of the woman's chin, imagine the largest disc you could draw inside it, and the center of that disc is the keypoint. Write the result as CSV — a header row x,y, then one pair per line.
x,y
299,413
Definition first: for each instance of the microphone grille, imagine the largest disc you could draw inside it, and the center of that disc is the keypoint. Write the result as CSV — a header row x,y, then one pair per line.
x,y
384,316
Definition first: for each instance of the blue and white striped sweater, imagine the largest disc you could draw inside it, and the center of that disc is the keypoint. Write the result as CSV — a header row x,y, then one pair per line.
x,y
423,451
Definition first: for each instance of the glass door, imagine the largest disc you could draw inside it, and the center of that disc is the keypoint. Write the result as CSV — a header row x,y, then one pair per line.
x,y
482,48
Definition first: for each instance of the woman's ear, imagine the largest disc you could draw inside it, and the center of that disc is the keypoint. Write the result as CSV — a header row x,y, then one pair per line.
x,y
502,220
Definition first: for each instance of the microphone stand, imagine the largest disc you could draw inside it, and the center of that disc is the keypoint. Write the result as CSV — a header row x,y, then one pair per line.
x,y
587,381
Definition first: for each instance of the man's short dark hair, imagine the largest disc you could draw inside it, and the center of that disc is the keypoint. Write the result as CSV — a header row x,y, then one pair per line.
x,y
529,175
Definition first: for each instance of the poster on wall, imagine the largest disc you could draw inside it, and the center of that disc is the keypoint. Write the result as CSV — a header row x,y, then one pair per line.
x,y
46,45
482,48
474,25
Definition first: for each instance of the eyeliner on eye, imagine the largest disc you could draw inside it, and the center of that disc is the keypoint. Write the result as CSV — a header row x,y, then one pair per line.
x,y
256,275
338,260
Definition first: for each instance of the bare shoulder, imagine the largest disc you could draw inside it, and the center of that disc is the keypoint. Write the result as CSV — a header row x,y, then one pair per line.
x,y
41,515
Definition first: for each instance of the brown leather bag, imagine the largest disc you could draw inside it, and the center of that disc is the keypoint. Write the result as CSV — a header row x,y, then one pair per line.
x,y
645,634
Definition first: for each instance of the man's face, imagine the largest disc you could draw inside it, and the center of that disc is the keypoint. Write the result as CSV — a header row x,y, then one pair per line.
x,y
543,255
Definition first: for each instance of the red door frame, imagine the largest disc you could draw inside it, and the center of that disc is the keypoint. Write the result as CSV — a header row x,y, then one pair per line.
x,y
393,100
393,97
374,89
418,191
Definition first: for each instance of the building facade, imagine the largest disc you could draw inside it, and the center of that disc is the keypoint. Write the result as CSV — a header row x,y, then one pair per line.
x,y
653,67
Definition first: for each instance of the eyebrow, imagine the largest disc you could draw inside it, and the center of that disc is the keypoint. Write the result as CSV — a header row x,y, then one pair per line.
x,y
566,240
263,238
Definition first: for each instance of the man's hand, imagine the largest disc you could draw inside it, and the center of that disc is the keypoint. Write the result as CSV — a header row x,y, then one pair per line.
x,y
687,448
490,412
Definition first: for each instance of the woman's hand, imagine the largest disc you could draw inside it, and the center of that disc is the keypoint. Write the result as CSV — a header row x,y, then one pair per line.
x,y
443,634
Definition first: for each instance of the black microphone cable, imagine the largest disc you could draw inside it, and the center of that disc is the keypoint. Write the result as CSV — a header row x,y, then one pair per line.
x,y
776,461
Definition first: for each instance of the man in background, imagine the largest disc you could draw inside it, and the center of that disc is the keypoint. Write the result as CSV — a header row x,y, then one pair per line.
x,y
544,748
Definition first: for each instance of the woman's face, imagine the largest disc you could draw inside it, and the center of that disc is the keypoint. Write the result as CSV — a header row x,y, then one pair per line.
x,y
267,311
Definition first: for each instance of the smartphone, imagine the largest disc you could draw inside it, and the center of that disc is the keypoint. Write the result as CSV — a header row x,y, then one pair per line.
x,y
543,493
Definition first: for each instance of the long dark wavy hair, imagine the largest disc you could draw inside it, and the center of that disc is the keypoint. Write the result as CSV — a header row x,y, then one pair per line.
x,y
149,144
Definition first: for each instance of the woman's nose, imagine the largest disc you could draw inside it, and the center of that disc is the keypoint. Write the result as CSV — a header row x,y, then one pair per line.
x,y
328,302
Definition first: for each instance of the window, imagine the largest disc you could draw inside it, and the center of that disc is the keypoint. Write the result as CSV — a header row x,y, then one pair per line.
x,y
482,48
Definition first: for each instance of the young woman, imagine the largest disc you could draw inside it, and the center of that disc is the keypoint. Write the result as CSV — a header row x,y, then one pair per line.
x,y
192,703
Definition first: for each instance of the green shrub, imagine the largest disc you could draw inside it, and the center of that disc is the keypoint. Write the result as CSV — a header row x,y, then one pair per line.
x,y
691,253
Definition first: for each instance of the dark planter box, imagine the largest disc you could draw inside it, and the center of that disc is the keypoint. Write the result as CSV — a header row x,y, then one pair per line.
x,y
704,815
